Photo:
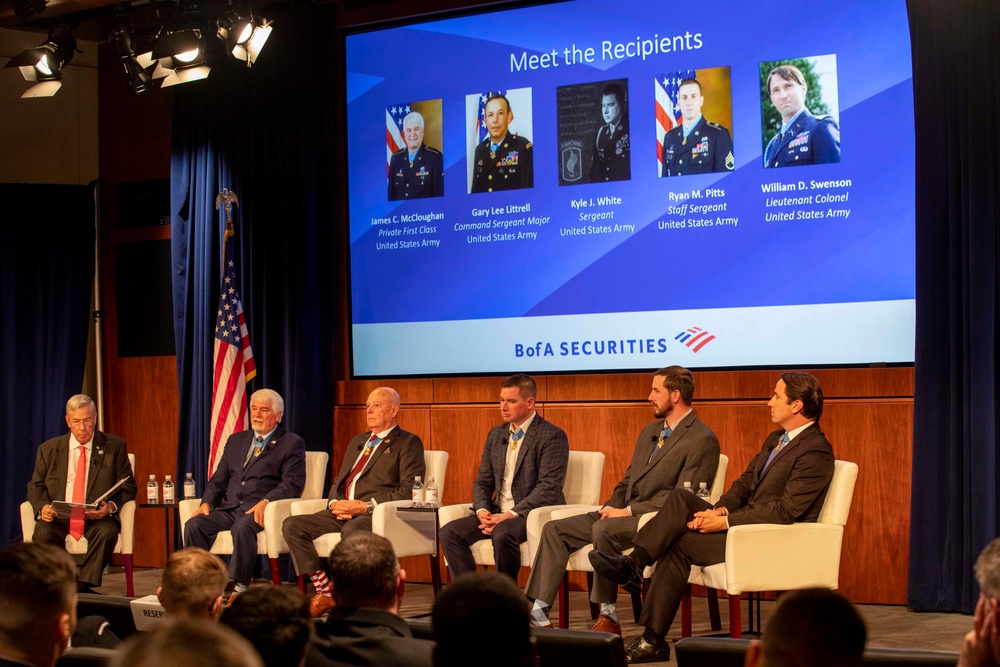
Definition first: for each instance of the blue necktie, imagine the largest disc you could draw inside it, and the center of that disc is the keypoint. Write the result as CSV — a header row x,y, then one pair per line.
x,y
774,452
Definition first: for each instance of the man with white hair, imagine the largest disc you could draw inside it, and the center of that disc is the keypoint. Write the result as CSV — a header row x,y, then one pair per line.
x,y
981,647
416,170
260,465
81,466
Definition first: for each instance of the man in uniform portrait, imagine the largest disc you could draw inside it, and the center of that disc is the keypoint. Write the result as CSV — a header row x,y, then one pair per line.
x,y
611,150
416,171
803,138
697,145
502,161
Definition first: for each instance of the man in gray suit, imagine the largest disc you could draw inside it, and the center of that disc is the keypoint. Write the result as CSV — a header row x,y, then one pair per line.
x,y
82,465
677,447
786,482
379,466
523,467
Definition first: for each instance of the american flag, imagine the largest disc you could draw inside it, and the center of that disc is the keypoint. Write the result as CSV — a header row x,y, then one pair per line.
x,y
394,116
234,365
668,116
481,130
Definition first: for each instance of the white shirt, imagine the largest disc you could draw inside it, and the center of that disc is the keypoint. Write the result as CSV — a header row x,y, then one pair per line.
x,y
74,458
381,438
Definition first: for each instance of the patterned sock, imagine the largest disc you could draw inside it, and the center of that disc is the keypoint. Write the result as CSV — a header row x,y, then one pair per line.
x,y
321,583
610,610
240,588
540,614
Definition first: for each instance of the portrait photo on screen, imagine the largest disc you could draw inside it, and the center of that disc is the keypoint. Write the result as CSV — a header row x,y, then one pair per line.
x,y
593,132
800,115
413,147
694,120
498,142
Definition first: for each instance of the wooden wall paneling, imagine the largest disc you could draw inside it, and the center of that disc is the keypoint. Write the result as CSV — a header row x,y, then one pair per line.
x,y
461,431
355,392
469,390
599,387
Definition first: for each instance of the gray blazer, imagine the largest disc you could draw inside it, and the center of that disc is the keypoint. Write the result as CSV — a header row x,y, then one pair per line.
x,y
539,473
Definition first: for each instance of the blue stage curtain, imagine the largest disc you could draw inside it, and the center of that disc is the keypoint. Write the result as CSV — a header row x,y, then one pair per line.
x,y
265,133
47,264
957,99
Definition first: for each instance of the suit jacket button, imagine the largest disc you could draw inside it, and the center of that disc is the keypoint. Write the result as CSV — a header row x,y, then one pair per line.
x,y
243,483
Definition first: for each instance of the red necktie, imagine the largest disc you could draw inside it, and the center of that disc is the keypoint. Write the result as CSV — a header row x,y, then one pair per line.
x,y
79,494
359,466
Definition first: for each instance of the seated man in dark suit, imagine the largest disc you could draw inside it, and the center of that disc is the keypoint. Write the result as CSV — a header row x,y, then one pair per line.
x,y
815,627
364,628
523,467
379,466
37,604
82,466
257,466
676,448
786,482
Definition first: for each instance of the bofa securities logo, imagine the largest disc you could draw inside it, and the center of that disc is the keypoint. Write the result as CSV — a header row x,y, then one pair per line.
x,y
695,338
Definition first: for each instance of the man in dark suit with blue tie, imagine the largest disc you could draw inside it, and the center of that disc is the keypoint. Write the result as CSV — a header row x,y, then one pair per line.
x,y
257,466
523,467
785,483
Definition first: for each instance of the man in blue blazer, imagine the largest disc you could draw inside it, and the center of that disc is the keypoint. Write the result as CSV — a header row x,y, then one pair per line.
x,y
257,466
523,467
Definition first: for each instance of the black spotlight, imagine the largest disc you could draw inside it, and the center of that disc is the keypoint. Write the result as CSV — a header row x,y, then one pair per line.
x,y
45,64
136,77
245,38
180,57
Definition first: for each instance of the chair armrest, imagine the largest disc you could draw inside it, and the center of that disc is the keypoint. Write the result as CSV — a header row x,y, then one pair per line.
x,y
646,518
411,533
309,506
566,511
185,510
753,550
275,513
126,515
449,513
538,517
27,521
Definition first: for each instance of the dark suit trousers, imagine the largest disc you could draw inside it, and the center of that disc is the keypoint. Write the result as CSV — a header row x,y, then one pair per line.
x,y
200,531
562,537
300,531
457,536
675,548
101,534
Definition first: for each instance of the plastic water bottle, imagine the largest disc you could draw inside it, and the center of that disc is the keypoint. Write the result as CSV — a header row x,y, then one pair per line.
x,y
432,499
687,487
418,492
189,492
703,491
152,491
168,490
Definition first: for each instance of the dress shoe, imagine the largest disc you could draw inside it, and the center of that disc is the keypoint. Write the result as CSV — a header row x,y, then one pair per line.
x,y
605,624
231,599
619,569
639,650
320,604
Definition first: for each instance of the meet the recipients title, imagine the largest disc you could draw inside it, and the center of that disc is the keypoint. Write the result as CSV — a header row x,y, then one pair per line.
x,y
574,55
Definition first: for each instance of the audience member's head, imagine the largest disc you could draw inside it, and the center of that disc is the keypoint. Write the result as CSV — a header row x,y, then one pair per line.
x,y
815,627
188,642
275,620
37,602
194,581
365,573
982,645
479,602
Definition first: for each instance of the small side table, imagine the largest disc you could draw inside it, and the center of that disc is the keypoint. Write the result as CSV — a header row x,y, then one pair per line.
x,y
167,523
425,521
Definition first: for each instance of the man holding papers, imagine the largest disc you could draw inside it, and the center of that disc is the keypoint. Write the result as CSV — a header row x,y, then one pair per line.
x,y
80,467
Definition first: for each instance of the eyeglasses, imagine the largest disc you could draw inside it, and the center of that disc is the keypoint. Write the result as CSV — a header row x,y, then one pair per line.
x,y
89,421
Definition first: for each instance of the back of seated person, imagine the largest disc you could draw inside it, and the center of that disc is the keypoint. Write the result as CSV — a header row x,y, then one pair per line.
x,y
37,603
275,620
815,627
482,619
193,584
188,642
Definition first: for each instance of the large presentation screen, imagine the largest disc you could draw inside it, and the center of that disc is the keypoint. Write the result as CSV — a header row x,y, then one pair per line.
x,y
595,185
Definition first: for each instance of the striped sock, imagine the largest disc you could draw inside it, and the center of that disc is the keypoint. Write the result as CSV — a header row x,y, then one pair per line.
x,y
540,615
321,583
